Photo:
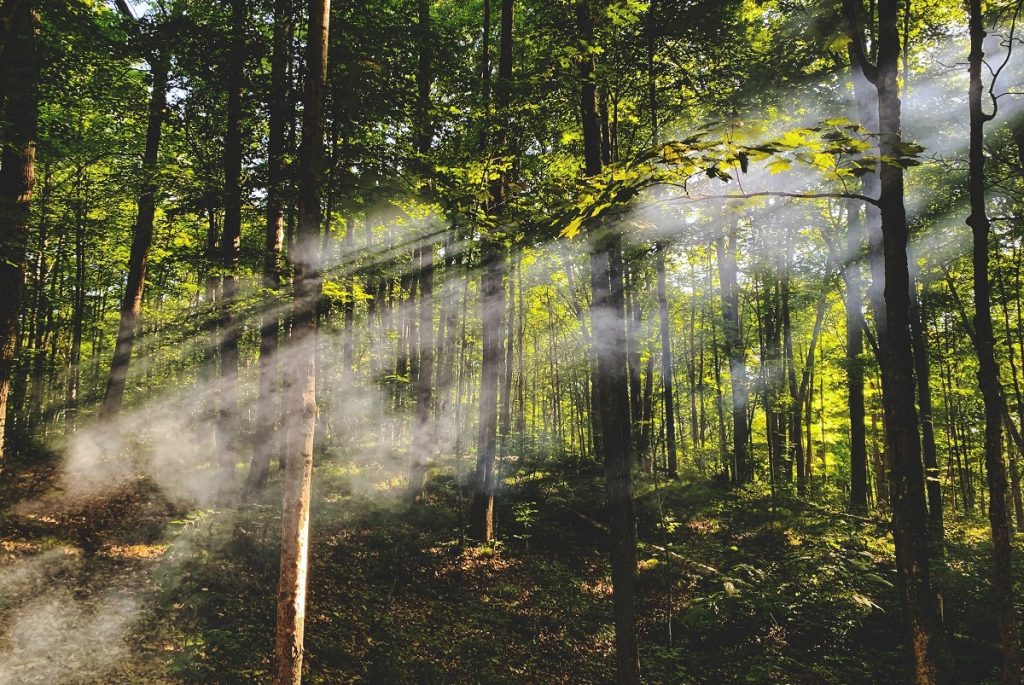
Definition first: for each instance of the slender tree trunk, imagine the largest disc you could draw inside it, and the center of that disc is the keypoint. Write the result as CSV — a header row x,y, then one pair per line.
x,y
666,363
423,437
17,178
492,305
922,374
866,97
77,308
607,315
273,243
854,306
1015,488
301,416
633,322
520,420
505,414
211,324
142,238
230,245
795,454
988,368
492,302
800,394
33,366
742,466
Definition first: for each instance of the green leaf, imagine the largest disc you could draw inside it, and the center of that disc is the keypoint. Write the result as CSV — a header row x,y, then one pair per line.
x,y
779,165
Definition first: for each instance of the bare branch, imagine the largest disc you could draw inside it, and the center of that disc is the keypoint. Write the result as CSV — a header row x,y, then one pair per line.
x,y
1009,52
689,199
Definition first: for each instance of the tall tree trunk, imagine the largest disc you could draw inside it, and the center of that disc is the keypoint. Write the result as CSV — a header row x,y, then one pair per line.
x,y
795,454
988,369
922,375
799,395
32,369
854,306
481,510
77,307
742,466
301,416
142,238
423,437
927,648
17,178
505,413
492,303
273,244
608,338
866,100
666,363
1015,454
230,245
633,323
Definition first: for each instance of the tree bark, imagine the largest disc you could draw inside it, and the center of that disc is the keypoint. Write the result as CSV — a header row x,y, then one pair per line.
x,y
742,466
927,650
1015,452
77,307
17,179
142,239
492,302
273,244
230,246
854,305
423,436
608,338
481,510
301,416
988,368
666,364
922,375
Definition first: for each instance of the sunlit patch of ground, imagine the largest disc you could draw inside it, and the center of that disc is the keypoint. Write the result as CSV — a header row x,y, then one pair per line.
x,y
136,551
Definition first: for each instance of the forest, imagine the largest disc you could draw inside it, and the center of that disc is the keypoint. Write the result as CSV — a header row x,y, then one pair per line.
x,y
511,341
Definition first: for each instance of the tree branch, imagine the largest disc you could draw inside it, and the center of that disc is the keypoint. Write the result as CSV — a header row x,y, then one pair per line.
x,y
687,199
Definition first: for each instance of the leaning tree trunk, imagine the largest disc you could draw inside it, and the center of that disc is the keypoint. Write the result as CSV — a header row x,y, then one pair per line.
x,y
142,238
301,414
17,178
608,338
988,369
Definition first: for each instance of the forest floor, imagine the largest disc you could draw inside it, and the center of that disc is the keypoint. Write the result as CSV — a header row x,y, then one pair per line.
x,y
735,586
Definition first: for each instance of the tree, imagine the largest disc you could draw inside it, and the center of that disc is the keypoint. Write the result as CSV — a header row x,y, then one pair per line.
x,y
423,257
608,338
492,300
231,245
301,415
725,245
142,235
988,368
17,179
273,244
925,642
